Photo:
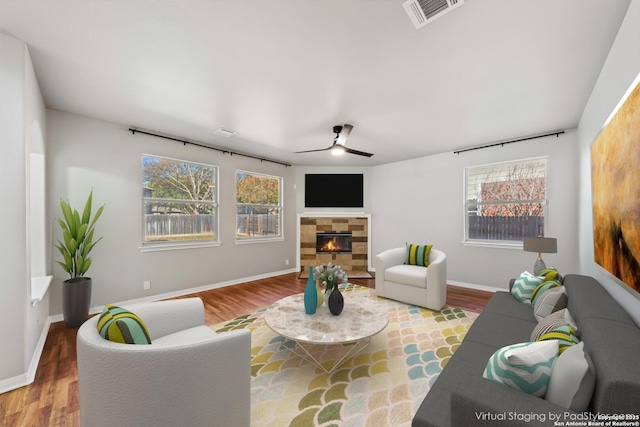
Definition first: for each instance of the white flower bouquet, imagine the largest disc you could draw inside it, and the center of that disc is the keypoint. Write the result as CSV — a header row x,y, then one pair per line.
x,y
330,275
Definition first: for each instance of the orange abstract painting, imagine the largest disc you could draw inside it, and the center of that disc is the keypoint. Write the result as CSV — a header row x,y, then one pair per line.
x,y
615,184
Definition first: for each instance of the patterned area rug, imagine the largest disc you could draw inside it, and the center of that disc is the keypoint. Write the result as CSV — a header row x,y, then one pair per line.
x,y
382,386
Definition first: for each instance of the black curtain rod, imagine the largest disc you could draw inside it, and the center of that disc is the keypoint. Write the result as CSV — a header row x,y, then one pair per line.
x,y
556,133
222,150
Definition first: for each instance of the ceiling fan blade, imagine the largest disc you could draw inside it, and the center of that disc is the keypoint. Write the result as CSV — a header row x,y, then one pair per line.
x,y
313,151
359,153
344,134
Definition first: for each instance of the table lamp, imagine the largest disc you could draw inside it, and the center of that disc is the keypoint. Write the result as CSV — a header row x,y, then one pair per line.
x,y
546,245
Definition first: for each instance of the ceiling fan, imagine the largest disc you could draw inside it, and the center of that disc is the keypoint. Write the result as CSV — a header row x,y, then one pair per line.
x,y
338,148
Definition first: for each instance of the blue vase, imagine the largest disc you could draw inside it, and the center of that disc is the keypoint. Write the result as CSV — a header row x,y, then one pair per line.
x,y
310,294
335,301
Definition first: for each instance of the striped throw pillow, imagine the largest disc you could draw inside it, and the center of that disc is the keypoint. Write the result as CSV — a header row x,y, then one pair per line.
x,y
525,366
120,325
524,286
553,321
549,302
418,254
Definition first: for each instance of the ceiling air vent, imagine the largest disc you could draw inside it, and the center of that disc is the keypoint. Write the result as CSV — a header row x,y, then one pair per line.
x,y
422,12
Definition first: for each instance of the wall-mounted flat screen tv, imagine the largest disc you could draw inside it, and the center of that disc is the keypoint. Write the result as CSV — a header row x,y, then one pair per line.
x,y
335,190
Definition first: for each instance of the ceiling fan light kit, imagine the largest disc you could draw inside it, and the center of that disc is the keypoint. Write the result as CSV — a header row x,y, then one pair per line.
x,y
338,147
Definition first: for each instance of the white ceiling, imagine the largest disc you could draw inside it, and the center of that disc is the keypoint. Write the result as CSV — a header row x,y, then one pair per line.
x,y
282,73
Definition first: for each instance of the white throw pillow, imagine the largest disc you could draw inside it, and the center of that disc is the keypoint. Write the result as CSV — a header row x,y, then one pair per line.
x,y
573,379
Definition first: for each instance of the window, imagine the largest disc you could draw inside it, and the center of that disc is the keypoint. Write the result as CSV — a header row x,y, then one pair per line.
x,y
259,206
179,201
505,202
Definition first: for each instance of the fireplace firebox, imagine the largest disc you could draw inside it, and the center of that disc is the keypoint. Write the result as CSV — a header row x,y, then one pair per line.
x,y
333,242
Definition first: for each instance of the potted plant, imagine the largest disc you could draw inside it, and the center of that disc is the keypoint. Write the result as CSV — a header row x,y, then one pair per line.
x,y
77,236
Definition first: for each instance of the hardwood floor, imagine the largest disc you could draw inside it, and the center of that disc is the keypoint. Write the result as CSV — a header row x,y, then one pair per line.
x,y
52,399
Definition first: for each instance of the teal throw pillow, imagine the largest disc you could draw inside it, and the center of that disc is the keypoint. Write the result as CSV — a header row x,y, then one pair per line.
x,y
525,366
524,286
418,254
120,325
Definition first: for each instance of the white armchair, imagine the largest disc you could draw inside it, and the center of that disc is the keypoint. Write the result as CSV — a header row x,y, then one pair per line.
x,y
412,284
188,375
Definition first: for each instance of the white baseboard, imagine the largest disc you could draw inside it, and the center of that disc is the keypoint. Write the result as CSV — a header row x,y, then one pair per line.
x,y
157,297
14,383
29,376
475,286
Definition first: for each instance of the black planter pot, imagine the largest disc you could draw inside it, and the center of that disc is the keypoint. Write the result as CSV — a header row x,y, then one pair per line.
x,y
76,299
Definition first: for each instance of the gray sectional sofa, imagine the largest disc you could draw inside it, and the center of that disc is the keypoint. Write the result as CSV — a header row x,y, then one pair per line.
x,y
462,397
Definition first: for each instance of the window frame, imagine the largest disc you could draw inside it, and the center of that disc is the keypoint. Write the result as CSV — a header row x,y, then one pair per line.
x,y
544,202
186,244
279,207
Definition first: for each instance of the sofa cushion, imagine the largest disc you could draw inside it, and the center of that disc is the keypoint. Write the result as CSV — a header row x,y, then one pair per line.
x,y
120,325
498,331
412,275
524,286
418,254
553,321
550,301
525,366
572,380
504,304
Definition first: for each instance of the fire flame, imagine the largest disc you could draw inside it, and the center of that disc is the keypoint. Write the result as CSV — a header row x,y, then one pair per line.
x,y
331,246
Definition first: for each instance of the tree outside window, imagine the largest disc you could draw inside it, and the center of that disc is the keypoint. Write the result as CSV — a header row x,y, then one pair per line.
x,y
179,200
258,206
505,202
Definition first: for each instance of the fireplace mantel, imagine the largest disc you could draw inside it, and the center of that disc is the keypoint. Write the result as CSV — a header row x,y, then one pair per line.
x,y
357,223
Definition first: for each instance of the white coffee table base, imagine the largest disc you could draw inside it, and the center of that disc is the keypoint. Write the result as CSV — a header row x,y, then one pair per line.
x,y
354,349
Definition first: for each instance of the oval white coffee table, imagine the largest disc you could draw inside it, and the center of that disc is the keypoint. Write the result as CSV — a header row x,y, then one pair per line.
x,y
361,318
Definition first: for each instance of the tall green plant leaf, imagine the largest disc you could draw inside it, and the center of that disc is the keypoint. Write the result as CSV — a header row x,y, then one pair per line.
x,y
86,214
77,237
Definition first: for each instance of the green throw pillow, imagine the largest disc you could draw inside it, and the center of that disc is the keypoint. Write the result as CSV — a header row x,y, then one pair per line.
x,y
418,254
542,288
525,366
120,325
524,286
565,335
550,274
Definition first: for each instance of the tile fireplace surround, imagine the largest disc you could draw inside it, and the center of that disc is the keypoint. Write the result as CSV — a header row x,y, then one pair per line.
x,y
357,225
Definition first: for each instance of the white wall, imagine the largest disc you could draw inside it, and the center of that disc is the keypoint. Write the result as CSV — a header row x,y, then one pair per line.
x,y
620,69
421,201
86,153
21,106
